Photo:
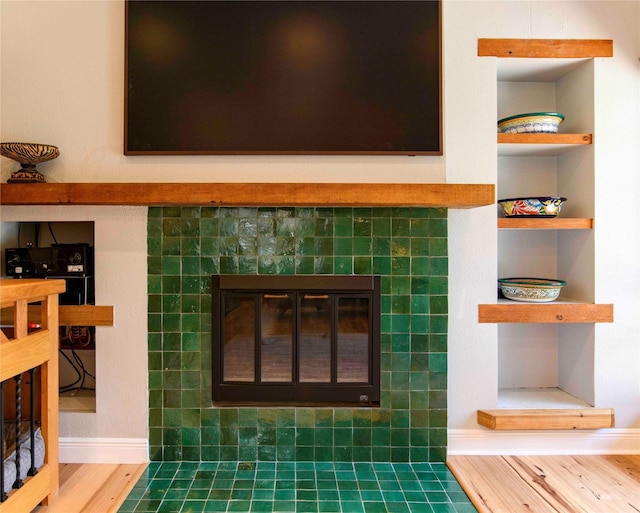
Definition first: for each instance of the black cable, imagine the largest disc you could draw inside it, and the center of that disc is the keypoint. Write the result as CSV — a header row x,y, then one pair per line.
x,y
65,387
52,235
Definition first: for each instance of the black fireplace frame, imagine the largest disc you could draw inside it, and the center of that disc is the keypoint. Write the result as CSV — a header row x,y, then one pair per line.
x,y
295,392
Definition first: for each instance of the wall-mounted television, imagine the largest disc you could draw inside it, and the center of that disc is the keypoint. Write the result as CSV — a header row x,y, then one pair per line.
x,y
283,77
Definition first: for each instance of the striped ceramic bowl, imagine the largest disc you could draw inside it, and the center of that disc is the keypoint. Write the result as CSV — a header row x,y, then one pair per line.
x,y
533,122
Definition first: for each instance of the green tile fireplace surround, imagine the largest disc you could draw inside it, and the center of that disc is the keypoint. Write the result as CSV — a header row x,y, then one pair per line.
x,y
406,246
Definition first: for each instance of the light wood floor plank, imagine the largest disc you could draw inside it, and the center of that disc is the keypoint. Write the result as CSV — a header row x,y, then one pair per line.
x,y
494,487
550,484
110,496
93,488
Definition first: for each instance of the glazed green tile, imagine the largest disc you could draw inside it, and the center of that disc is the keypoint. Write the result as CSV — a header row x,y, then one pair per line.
x,y
438,323
419,227
401,285
437,227
170,228
438,266
419,265
438,285
343,436
438,304
190,303
343,227
400,226
419,362
381,265
381,246
381,227
209,266
399,381
191,379
154,267
438,381
401,247
343,246
171,265
420,285
438,418
324,227
400,323
305,437
437,247
421,323
438,343
285,246
362,226
419,303
362,246
267,265
305,265
343,265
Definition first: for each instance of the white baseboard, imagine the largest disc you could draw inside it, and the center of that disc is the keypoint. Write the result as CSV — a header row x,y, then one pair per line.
x,y
486,442
103,450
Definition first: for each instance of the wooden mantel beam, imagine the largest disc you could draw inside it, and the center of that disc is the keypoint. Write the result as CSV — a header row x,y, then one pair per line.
x,y
250,194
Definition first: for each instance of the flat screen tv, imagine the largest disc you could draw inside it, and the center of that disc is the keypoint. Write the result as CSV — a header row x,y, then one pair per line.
x,y
283,77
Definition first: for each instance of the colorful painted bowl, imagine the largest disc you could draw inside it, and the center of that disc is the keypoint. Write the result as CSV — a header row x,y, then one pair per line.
x,y
531,290
533,122
542,206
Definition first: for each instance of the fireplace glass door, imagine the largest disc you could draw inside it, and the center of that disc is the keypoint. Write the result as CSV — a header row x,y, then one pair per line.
x,y
285,341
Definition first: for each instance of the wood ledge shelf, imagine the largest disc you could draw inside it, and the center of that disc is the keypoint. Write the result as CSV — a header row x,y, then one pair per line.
x,y
545,138
251,194
553,312
555,223
545,48
539,419
68,315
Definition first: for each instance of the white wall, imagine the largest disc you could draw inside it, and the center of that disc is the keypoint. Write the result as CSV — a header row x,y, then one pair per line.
x,y
120,235
471,94
62,65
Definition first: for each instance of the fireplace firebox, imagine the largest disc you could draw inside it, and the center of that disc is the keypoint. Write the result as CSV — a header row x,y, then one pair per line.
x,y
296,339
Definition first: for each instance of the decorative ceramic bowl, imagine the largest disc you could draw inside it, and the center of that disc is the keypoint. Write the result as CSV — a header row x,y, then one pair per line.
x,y
28,155
543,122
543,206
533,290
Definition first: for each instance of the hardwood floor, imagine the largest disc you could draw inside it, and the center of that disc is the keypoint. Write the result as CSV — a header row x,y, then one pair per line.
x,y
495,484
93,488
550,484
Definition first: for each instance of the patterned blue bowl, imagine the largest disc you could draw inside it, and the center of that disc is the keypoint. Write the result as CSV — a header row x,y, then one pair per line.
x,y
531,290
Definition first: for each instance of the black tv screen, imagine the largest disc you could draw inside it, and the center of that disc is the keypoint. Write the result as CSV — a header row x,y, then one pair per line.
x,y
283,77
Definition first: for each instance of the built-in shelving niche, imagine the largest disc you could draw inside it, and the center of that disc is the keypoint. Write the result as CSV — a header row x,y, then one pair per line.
x,y
546,352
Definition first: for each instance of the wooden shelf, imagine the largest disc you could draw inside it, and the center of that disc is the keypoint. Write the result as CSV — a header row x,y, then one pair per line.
x,y
68,315
554,223
543,138
565,418
557,312
250,194
547,145
545,48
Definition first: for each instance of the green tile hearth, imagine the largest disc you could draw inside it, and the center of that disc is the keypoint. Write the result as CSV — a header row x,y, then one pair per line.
x,y
288,487
407,247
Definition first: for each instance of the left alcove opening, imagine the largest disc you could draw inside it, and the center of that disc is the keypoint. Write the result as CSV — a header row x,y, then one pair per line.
x,y
59,250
